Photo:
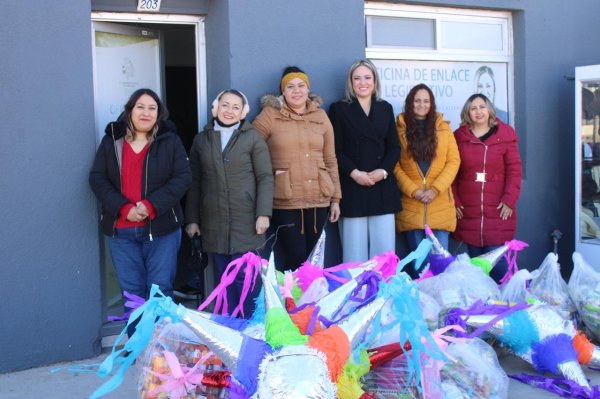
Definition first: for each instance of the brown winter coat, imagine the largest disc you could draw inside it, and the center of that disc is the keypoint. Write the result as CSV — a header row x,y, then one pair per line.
x,y
302,154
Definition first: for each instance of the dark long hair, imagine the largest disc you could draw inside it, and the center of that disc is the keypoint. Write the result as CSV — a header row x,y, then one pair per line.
x,y
162,112
420,148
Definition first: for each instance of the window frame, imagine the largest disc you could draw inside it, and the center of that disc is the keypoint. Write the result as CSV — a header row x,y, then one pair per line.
x,y
440,15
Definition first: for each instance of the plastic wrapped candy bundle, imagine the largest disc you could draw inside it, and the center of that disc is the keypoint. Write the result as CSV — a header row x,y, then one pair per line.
x,y
174,353
431,310
461,285
516,290
548,285
389,381
584,287
476,372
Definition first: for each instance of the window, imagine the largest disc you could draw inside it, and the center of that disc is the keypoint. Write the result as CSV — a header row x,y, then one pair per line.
x,y
456,52
401,32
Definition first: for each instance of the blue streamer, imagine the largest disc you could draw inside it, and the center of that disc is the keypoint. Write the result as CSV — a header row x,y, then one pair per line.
x,y
551,351
235,323
519,332
259,315
418,255
150,313
404,297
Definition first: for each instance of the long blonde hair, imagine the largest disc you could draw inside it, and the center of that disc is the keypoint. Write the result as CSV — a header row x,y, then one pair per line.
x,y
349,95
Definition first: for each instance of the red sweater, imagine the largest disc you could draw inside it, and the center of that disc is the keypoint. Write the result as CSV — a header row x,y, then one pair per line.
x,y
132,170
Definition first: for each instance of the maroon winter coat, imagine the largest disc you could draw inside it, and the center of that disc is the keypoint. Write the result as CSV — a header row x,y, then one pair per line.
x,y
498,157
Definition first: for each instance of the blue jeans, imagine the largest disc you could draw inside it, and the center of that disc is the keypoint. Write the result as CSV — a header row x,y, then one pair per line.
x,y
139,262
501,267
414,238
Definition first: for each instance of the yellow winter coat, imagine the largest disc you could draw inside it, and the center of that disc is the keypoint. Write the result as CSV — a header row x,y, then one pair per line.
x,y
440,214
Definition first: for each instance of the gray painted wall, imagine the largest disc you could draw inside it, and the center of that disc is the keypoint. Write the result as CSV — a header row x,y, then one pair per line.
x,y
321,37
49,257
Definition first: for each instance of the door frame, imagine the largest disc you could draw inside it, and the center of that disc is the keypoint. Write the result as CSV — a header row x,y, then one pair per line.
x,y
175,19
583,74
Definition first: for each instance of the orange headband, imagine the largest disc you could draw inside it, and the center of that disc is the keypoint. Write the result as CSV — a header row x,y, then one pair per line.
x,y
292,75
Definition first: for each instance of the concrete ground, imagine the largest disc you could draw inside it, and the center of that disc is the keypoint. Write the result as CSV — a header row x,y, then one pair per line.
x,y
41,383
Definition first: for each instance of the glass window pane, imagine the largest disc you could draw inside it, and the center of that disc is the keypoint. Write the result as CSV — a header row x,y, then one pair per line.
x,y
589,219
401,32
472,36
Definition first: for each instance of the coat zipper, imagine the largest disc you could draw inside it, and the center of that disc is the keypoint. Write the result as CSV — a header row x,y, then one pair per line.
x,y
485,148
146,189
424,188
112,132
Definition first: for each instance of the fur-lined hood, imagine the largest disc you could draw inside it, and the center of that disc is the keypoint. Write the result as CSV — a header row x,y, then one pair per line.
x,y
277,102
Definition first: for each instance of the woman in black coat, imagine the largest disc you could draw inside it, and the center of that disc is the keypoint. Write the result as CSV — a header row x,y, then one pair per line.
x,y
367,150
140,174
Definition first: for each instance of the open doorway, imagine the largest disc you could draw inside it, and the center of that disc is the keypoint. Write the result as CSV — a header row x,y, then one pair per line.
x,y
166,54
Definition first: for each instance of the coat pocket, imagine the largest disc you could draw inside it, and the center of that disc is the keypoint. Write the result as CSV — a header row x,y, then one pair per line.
x,y
283,182
325,182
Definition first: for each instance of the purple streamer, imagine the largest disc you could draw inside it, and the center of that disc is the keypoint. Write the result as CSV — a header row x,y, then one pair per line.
x,y
369,279
559,386
252,353
439,262
299,308
235,323
313,320
454,316
133,303
236,391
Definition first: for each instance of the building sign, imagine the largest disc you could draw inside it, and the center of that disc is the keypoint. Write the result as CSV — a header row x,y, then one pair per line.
x,y
451,82
148,5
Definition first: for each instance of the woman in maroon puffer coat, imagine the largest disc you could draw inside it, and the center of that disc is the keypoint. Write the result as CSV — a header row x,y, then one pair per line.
x,y
488,183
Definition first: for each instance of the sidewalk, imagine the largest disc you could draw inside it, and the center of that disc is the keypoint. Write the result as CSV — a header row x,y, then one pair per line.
x,y
41,383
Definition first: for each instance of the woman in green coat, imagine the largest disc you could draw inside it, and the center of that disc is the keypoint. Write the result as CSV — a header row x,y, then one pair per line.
x,y
231,197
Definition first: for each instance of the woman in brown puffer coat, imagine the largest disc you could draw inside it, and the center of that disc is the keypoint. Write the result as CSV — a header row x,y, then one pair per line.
x,y
307,185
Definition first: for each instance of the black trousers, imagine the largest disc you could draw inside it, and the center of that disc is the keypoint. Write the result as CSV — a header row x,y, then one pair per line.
x,y
294,243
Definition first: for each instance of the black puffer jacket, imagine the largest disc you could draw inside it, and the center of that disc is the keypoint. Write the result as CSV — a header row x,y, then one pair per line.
x,y
165,179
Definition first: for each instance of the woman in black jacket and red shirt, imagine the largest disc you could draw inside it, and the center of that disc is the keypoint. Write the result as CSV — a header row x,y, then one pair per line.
x,y
140,174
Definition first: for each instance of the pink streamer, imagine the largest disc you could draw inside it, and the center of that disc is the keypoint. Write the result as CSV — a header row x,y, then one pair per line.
x,y
427,274
181,380
514,246
253,264
288,285
430,368
385,263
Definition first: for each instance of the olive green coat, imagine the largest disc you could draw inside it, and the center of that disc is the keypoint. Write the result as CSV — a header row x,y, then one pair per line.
x,y
230,189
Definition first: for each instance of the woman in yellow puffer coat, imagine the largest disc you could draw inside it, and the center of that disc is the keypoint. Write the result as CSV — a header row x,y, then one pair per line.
x,y
428,163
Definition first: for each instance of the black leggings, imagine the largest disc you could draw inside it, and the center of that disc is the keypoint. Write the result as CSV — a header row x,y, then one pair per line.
x,y
294,243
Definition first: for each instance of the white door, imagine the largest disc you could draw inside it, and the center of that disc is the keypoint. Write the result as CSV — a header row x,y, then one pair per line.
x,y
587,163
126,58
